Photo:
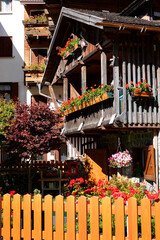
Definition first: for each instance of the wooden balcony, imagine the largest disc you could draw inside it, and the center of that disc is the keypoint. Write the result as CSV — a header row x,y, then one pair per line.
x,y
35,23
90,117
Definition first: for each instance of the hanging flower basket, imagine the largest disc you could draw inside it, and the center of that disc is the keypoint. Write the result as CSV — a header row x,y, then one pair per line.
x,y
120,159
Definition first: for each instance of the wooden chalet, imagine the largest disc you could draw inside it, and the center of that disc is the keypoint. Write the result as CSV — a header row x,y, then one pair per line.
x,y
117,49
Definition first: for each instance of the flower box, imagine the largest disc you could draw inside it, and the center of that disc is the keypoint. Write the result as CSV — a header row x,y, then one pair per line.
x,y
143,94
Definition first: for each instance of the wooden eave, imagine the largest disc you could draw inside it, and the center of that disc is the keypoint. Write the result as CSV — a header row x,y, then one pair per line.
x,y
60,35
121,26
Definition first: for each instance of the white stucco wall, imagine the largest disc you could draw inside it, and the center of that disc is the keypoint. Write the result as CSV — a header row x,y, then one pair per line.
x,y
11,68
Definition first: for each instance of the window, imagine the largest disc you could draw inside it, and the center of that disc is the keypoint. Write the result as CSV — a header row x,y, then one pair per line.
x,y
5,92
5,46
5,5
36,12
37,55
144,162
9,91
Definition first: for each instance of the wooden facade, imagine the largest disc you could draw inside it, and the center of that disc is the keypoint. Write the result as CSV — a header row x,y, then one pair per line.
x,y
115,50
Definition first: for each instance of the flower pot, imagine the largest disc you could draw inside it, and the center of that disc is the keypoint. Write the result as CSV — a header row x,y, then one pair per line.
x,y
83,105
98,99
80,107
104,96
91,102
143,94
87,103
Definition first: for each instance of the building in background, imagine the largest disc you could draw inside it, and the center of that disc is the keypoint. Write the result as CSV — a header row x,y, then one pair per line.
x,y
12,50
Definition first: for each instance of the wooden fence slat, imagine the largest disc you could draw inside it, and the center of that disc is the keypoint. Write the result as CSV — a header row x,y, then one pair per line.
x,y
146,219
59,208
107,218
48,217
0,216
71,226
37,217
94,218
157,219
82,218
119,219
132,219
16,217
6,217
27,217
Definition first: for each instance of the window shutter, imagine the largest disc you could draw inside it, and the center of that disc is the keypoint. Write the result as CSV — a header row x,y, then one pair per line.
x,y
149,171
5,46
14,91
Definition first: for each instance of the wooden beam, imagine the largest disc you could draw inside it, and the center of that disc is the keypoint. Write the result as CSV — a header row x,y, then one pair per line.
x,y
124,83
122,26
158,77
65,89
103,68
83,78
134,80
130,114
116,75
51,90
154,82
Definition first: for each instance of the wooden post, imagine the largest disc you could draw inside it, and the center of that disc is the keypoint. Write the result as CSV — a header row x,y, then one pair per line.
x,y
83,78
103,68
139,79
65,89
149,53
158,78
53,96
116,76
124,83
154,83
134,81
130,120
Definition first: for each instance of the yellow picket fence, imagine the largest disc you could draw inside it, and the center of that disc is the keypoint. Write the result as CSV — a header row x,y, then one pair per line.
x,y
61,219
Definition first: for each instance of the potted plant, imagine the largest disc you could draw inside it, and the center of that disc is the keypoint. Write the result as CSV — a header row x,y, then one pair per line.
x,y
142,89
120,159
70,46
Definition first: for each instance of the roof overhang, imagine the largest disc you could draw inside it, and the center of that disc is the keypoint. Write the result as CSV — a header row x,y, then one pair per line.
x,y
142,28
70,15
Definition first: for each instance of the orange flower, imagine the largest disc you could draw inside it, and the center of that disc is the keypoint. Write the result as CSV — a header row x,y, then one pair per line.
x,y
93,90
81,88
102,84
127,85
95,85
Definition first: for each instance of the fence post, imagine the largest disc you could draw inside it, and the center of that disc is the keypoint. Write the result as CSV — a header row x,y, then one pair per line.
x,y
48,217
107,218
132,219
146,219
119,219
94,218
82,217
16,217
27,234
59,217
37,217
71,212
6,217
